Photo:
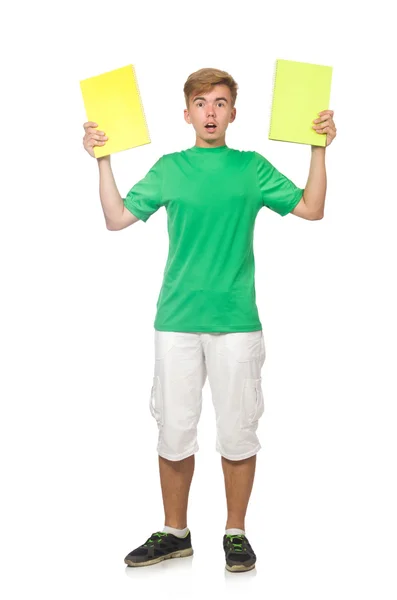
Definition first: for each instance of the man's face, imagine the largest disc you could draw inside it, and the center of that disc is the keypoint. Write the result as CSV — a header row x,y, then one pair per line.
x,y
213,107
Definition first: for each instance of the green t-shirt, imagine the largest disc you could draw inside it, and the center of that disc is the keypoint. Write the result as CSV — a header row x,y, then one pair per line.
x,y
212,197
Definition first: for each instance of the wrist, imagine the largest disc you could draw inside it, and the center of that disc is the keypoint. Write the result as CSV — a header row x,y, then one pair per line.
x,y
104,162
104,159
318,149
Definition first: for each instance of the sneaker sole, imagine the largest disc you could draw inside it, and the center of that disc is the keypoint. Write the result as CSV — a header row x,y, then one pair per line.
x,y
239,568
177,554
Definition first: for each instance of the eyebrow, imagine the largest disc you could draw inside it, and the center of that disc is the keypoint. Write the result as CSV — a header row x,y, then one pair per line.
x,y
201,98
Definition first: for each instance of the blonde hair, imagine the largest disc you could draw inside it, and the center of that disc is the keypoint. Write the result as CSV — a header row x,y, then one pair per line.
x,y
202,81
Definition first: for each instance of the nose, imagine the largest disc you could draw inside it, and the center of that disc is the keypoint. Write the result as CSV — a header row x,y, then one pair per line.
x,y
210,110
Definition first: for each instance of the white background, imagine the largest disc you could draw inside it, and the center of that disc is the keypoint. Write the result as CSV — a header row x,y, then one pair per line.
x,y
79,467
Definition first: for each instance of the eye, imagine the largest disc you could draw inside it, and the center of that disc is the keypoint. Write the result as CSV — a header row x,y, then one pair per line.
x,y
221,103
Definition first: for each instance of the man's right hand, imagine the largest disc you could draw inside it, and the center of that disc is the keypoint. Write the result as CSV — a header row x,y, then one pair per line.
x,y
93,137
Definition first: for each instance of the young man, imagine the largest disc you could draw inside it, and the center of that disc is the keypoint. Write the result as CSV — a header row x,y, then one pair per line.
x,y
207,322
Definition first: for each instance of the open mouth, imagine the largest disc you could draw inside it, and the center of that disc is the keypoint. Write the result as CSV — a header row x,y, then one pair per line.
x,y
210,127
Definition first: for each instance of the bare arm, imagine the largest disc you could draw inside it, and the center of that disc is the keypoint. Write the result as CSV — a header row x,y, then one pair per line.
x,y
316,185
116,215
311,206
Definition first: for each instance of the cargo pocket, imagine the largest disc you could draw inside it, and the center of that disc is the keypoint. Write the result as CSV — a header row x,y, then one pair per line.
x,y
156,401
252,403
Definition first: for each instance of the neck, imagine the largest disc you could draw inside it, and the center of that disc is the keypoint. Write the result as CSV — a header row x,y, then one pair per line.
x,y
200,143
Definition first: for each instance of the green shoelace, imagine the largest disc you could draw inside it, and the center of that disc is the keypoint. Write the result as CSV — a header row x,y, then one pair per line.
x,y
159,535
238,546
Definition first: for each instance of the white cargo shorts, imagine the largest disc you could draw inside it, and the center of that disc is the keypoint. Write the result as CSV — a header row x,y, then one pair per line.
x,y
233,363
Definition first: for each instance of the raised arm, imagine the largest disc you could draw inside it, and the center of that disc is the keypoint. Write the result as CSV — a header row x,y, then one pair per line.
x,y
116,216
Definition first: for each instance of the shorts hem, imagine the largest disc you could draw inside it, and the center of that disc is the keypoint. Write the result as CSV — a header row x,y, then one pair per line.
x,y
241,456
179,456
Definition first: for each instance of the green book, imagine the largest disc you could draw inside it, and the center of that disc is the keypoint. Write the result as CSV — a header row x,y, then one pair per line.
x,y
301,91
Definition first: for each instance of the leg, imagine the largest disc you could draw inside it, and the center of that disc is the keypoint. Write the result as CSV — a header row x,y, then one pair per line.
x,y
234,362
239,479
176,477
176,403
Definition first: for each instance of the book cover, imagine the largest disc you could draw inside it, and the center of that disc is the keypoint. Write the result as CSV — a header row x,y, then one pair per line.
x,y
301,91
113,101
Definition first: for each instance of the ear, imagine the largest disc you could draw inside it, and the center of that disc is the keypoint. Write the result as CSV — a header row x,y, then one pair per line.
x,y
233,115
186,116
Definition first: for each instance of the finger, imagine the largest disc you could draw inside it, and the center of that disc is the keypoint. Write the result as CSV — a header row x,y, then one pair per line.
x,y
98,136
324,124
93,140
91,131
324,129
323,119
320,126
90,124
95,136
323,112
95,143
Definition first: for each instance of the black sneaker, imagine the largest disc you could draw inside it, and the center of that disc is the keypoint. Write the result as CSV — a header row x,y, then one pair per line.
x,y
238,552
158,547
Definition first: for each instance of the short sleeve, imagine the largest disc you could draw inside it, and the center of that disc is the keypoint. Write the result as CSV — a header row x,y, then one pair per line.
x,y
278,192
145,197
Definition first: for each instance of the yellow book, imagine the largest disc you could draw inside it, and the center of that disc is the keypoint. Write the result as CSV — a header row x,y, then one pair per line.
x,y
301,91
112,100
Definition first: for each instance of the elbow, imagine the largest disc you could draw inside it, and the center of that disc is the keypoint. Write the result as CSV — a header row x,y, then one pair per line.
x,y
111,227
318,216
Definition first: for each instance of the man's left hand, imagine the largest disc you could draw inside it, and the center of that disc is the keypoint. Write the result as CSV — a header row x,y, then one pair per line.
x,y
325,124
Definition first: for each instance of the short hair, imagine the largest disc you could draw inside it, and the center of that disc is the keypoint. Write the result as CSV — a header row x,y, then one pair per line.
x,y
202,81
